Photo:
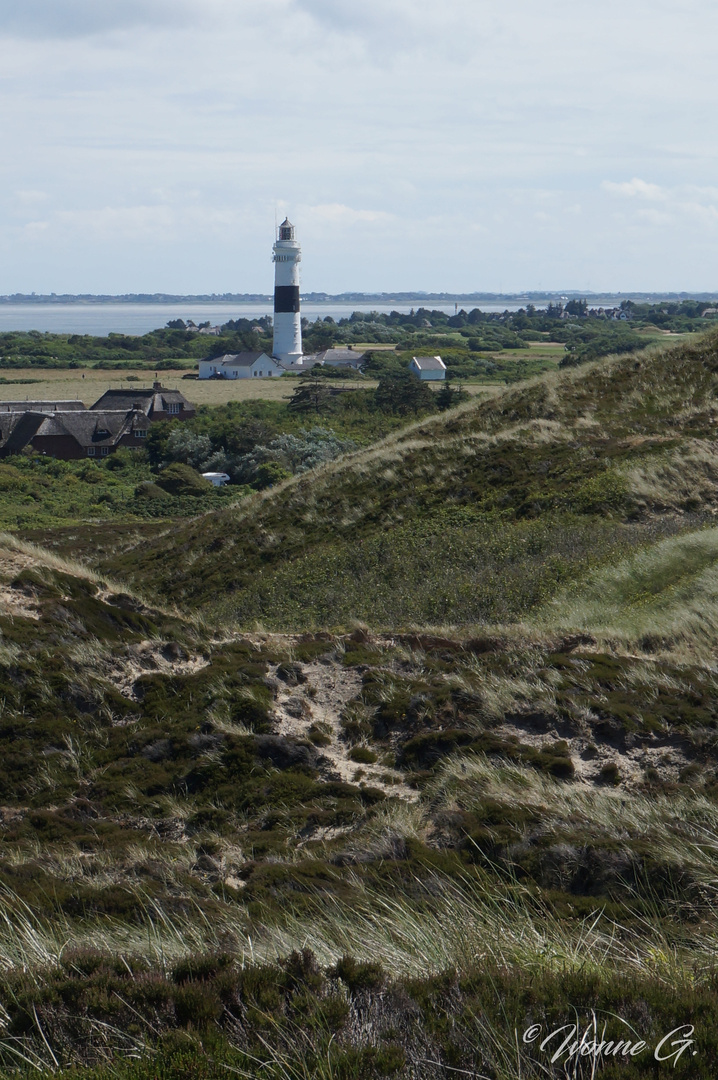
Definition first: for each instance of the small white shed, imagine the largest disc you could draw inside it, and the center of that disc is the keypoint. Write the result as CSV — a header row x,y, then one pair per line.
x,y
428,367
245,365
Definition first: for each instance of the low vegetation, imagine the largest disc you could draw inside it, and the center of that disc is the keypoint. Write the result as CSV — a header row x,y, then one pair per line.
x,y
480,345
375,770
38,492
565,472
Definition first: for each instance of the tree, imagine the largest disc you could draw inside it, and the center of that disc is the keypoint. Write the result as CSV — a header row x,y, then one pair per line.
x,y
382,362
157,439
448,397
403,393
319,335
188,446
241,437
268,474
295,453
312,395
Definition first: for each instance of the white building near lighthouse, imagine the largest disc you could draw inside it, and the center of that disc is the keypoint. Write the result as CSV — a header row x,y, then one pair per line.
x,y
244,365
287,347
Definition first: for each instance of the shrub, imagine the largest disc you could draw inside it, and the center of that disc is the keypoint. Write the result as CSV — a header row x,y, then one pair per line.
x,y
610,774
197,1005
149,490
268,474
362,755
358,976
179,479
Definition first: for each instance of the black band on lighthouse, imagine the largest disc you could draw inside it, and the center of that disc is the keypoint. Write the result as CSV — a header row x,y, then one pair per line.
x,y
286,298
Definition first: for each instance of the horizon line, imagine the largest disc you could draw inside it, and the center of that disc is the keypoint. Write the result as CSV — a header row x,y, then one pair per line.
x,y
397,296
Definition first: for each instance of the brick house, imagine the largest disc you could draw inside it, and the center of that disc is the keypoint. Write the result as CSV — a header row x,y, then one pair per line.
x,y
68,430
70,435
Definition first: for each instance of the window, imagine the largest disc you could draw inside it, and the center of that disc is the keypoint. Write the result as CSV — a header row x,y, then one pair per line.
x,y
104,451
173,407
90,451
140,433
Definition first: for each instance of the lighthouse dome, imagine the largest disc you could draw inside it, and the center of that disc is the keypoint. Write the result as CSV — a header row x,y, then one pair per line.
x,y
286,230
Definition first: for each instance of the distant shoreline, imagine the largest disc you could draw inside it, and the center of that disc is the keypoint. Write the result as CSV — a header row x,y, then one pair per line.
x,y
352,297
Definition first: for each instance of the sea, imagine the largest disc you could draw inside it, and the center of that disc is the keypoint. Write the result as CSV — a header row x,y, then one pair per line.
x,y
128,318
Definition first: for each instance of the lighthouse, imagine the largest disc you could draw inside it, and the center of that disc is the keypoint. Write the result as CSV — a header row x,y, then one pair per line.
x,y
287,319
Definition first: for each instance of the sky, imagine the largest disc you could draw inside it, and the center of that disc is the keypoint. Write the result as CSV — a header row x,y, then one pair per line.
x,y
472,145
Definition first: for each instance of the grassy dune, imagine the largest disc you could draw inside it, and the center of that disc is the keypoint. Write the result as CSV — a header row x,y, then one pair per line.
x,y
663,599
464,782
478,516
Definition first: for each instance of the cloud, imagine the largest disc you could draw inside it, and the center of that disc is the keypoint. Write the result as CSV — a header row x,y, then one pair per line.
x,y
31,198
347,16
123,222
683,205
81,18
36,228
162,221
337,214
707,214
654,217
393,29
410,141
635,188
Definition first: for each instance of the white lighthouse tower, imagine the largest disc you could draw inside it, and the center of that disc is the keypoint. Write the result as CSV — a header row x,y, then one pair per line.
x,y
287,318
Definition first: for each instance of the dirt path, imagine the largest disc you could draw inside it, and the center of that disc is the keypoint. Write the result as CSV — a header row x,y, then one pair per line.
x,y
316,705
14,601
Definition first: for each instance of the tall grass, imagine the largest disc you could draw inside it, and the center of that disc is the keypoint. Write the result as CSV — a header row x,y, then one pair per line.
x,y
681,829
669,590
437,924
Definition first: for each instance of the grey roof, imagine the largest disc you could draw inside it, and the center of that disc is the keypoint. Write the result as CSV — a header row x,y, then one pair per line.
x,y
41,406
93,427
154,400
336,356
286,224
17,429
242,359
292,365
429,363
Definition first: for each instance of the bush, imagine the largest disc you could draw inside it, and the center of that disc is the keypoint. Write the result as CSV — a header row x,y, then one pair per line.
x,y
357,975
149,490
179,479
362,755
269,474
610,774
187,446
403,393
291,454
